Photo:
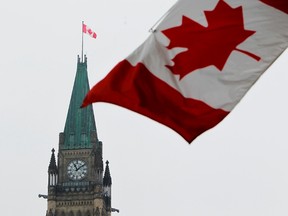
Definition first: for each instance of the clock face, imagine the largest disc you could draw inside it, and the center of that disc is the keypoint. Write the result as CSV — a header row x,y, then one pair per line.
x,y
77,169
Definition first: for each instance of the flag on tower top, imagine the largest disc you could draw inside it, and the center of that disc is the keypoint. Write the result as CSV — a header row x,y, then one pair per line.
x,y
198,63
88,30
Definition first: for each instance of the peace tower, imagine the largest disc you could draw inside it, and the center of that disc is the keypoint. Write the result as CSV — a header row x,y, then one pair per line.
x,y
77,183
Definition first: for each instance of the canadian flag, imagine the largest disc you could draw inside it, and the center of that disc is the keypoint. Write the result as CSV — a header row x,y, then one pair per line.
x,y
88,30
199,62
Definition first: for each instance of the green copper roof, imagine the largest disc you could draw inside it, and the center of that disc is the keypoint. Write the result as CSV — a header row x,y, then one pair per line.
x,y
80,128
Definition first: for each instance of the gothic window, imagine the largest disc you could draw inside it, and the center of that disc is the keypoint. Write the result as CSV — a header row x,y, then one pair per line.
x,y
50,213
71,213
97,212
63,213
103,213
88,213
79,213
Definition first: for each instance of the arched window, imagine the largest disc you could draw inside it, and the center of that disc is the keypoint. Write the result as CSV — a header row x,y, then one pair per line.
x,y
88,213
103,212
97,212
50,213
79,213
56,213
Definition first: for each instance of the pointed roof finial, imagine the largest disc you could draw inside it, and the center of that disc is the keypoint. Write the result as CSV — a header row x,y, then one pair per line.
x,y
107,181
52,165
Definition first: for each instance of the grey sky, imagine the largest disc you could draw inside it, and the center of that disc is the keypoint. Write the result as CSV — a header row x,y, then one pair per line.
x,y
237,168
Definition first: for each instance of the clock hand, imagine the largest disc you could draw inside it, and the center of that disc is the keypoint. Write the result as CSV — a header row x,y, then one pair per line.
x,y
80,167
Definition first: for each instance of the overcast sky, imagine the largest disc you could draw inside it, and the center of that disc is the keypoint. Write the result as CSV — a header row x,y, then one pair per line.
x,y
238,168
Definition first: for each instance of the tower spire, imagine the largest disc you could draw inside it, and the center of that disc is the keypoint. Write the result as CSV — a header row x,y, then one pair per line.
x,y
80,127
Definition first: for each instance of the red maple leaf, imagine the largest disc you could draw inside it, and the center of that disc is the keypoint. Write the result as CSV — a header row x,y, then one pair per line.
x,y
211,45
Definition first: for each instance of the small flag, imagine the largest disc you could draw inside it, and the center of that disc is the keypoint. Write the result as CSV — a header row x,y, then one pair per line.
x,y
88,30
199,63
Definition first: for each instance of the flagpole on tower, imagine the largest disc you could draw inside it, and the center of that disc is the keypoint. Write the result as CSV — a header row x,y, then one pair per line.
x,y
82,42
90,32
